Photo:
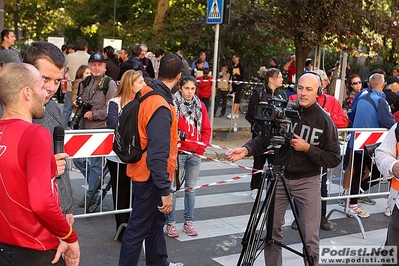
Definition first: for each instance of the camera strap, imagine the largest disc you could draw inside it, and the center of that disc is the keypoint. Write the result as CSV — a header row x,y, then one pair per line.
x,y
99,88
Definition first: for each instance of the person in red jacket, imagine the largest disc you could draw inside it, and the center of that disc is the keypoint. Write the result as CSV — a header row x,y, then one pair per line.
x,y
332,106
192,119
204,91
34,230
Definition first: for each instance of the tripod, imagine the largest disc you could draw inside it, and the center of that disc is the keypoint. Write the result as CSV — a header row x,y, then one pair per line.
x,y
262,214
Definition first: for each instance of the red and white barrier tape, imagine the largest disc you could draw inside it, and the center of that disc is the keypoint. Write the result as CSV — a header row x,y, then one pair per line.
x,y
235,178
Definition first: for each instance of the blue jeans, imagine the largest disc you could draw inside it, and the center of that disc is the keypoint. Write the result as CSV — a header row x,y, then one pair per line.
x,y
66,110
189,168
145,223
94,167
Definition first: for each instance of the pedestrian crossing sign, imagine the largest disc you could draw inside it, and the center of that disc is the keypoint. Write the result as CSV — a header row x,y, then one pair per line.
x,y
214,13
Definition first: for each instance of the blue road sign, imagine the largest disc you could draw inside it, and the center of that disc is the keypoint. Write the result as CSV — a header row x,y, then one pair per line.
x,y
214,14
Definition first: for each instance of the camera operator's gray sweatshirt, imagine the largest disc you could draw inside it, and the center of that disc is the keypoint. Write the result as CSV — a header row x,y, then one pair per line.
x,y
316,128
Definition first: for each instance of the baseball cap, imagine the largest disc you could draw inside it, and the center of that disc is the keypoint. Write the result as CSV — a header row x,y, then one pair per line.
x,y
321,73
392,79
96,57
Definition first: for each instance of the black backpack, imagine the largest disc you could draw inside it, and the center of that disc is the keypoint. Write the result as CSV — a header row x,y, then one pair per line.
x,y
126,136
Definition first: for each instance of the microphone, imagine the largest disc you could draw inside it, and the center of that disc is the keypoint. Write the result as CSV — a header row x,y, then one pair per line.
x,y
58,139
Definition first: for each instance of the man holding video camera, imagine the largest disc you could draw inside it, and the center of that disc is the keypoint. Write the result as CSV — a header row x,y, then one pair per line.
x,y
314,144
94,93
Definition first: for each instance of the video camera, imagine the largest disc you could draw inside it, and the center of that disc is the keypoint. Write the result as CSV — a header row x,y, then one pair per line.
x,y
82,109
276,115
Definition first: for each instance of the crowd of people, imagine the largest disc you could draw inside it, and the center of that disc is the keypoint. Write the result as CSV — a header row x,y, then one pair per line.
x,y
100,84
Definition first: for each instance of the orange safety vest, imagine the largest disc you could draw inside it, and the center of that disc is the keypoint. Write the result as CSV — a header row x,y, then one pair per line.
x,y
139,171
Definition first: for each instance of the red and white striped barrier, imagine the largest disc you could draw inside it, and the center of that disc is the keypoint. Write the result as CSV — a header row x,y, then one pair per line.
x,y
364,138
88,143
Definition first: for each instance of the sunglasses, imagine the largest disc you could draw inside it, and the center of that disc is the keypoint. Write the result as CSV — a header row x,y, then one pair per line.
x,y
355,83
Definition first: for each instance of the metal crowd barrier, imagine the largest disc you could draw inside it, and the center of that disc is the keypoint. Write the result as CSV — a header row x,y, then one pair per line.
x,y
335,177
98,142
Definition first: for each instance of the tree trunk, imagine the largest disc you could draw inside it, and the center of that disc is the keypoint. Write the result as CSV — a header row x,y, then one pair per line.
x,y
301,53
162,8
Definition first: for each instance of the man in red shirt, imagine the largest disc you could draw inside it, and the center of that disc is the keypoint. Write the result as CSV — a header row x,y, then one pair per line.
x,y
34,230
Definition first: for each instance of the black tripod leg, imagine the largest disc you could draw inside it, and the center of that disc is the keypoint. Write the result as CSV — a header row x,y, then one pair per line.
x,y
252,241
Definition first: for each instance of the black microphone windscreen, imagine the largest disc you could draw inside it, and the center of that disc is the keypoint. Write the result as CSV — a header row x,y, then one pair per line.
x,y
59,133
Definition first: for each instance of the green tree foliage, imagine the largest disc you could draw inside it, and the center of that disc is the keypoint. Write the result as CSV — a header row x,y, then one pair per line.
x,y
258,29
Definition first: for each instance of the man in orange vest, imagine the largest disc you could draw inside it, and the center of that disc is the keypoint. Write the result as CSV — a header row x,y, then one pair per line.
x,y
152,175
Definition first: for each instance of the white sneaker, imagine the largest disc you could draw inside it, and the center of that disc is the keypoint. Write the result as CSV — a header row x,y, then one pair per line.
x,y
387,212
236,116
176,264
231,116
254,193
355,209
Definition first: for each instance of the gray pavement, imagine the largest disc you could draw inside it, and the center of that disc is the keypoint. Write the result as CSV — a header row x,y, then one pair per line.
x,y
225,136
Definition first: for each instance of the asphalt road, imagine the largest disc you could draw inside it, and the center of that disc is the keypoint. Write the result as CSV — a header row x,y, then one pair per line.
x,y
221,215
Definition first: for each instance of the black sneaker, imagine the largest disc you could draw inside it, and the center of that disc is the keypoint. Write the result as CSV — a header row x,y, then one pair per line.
x,y
324,224
294,225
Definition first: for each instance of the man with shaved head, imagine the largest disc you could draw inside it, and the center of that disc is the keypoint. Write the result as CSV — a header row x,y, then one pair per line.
x,y
314,145
34,229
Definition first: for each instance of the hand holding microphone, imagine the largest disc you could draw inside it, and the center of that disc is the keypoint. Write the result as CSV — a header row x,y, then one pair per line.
x,y
58,147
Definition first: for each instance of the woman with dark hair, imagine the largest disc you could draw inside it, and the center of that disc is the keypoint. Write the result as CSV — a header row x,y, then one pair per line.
x,y
272,87
192,119
112,62
353,87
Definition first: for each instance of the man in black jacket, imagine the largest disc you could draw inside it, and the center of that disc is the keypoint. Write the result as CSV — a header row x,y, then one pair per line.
x,y
314,145
133,63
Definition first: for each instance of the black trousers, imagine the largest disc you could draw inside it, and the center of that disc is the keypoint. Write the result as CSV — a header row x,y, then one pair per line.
x,y
393,231
359,168
121,187
18,256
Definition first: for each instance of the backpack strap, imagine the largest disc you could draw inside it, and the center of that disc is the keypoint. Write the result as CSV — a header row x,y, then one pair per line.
x,y
105,85
367,97
86,81
83,84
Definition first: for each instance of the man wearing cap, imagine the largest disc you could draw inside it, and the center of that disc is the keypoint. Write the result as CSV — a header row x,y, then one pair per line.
x,y
98,91
391,92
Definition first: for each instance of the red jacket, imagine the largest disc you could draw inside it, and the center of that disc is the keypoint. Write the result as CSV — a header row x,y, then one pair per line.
x,y
204,87
193,134
332,106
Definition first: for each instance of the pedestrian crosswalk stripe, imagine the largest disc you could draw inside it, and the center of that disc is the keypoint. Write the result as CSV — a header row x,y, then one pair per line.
x,y
237,224
376,238
214,11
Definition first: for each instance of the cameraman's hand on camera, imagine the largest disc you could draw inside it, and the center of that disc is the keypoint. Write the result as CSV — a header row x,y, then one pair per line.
x,y
74,103
236,154
88,115
299,144
60,161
